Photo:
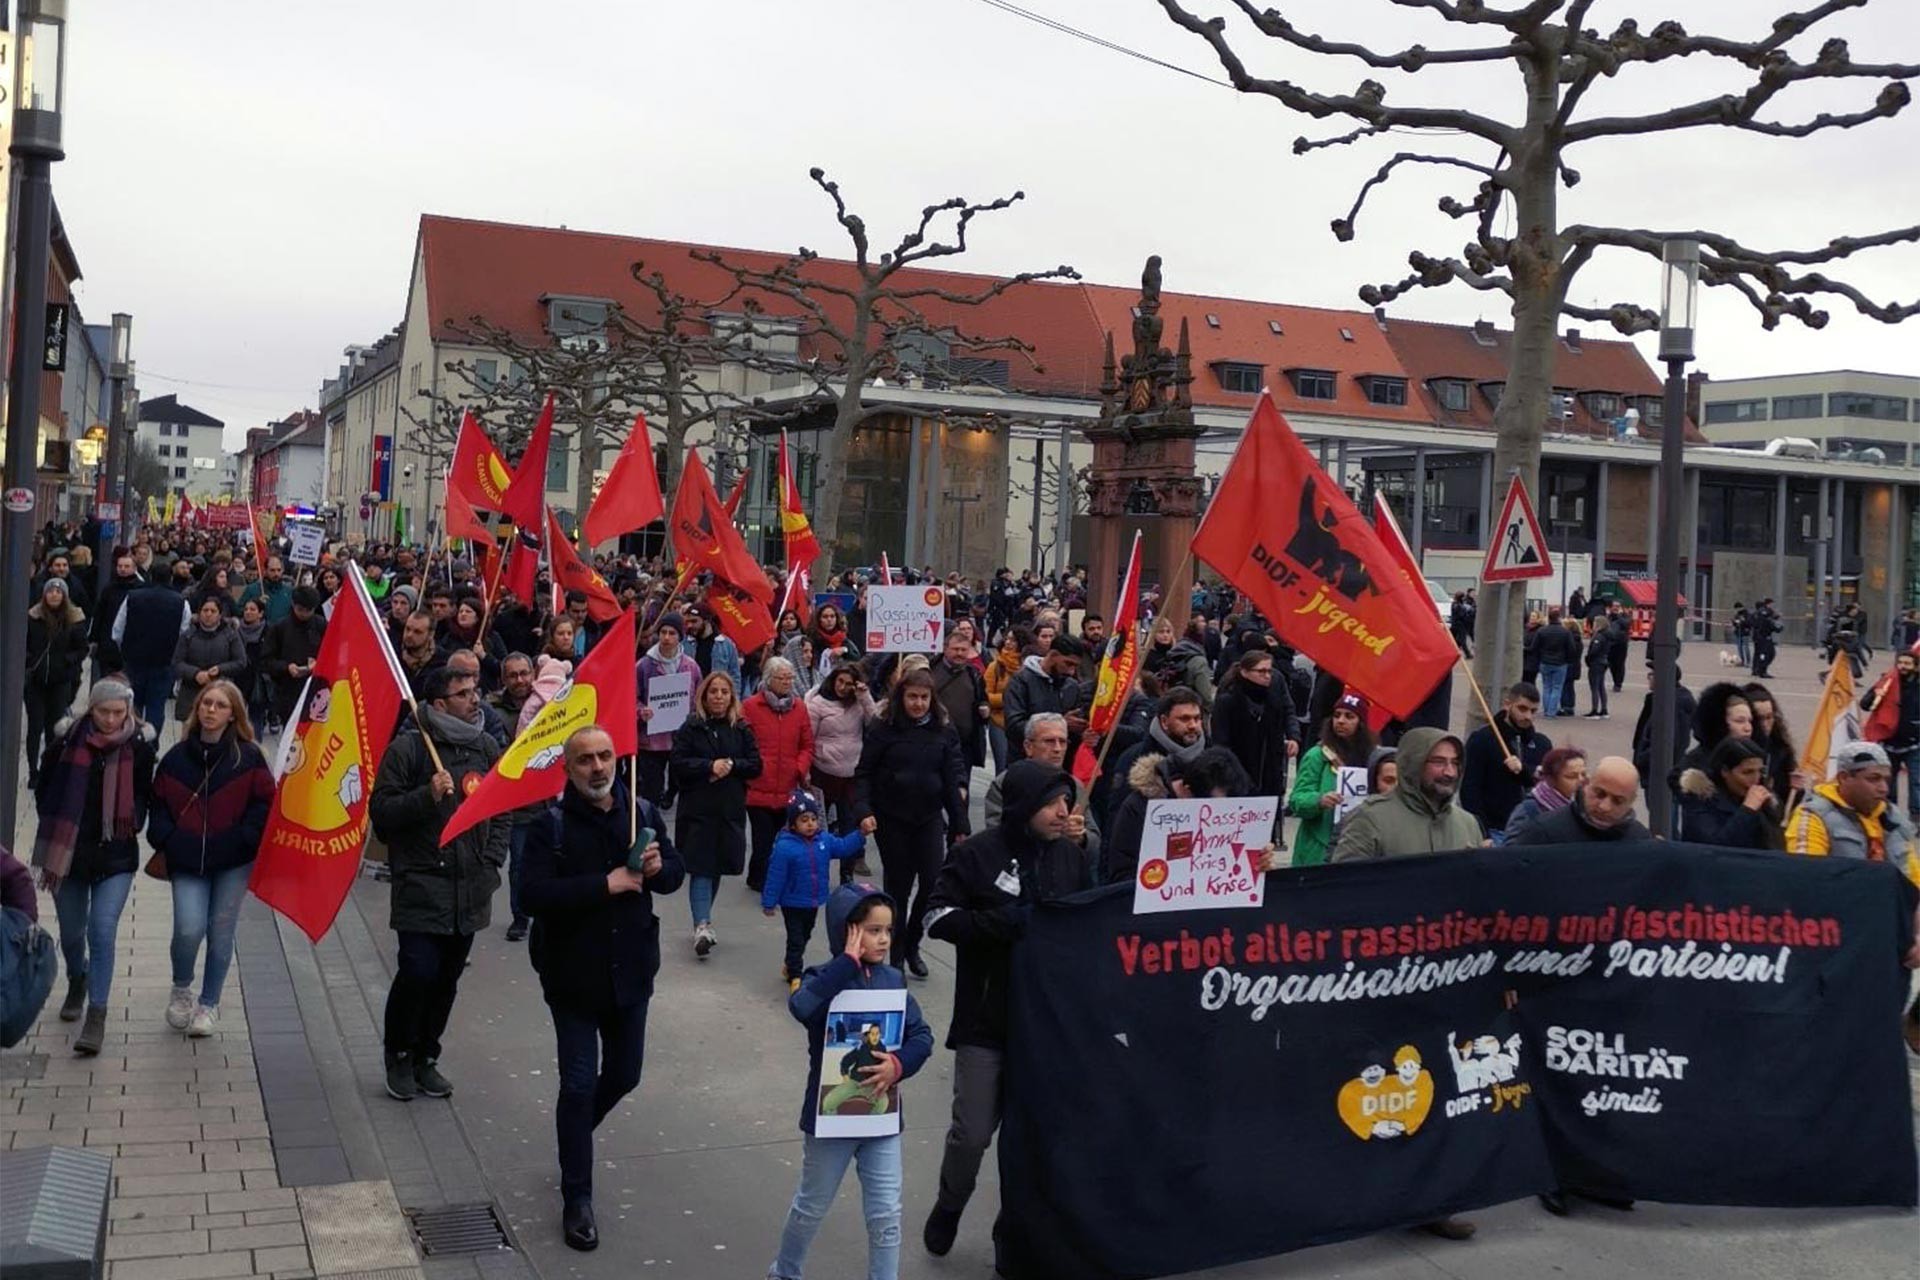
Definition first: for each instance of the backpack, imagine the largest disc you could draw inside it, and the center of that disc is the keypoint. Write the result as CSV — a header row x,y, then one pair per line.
x,y
28,966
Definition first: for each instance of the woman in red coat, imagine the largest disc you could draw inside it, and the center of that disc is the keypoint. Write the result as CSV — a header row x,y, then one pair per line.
x,y
784,732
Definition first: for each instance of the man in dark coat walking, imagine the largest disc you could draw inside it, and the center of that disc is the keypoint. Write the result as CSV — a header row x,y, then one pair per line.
x,y
288,652
1494,781
441,897
150,621
589,885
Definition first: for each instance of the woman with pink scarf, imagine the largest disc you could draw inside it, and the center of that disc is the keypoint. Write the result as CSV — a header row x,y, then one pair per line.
x,y
1560,776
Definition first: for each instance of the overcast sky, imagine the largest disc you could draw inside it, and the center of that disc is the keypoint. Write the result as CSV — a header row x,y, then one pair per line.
x,y
246,179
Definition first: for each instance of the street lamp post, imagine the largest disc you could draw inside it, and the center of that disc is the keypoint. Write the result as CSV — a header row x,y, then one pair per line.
x,y
1679,297
118,447
40,85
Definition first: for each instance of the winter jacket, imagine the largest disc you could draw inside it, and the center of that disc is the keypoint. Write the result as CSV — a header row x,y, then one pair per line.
x,y
593,949
210,805
436,890
56,647
1032,691
1256,724
814,999
1600,647
1404,821
197,650
798,873
1319,774
290,643
1569,825
653,664
785,743
150,621
1488,789
94,859
1684,707
994,680
909,775
710,818
1187,664
1709,814
996,806
1906,730
107,608
1556,646
973,907
839,731
1148,778
721,654
1824,826
963,692
277,599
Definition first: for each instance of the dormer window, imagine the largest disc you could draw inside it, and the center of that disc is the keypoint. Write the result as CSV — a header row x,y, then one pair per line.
x,y
1240,377
1312,384
1492,391
1273,327
1381,389
1213,321
1603,404
1451,393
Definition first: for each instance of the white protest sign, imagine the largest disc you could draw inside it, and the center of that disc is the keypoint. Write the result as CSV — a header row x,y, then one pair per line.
x,y
906,619
670,696
1351,787
307,540
862,1028
1199,854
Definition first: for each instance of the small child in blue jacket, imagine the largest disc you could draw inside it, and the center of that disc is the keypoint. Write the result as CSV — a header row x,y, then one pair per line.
x,y
797,875
860,918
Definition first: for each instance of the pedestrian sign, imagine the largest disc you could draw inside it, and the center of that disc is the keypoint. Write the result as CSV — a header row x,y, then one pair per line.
x,y
1517,550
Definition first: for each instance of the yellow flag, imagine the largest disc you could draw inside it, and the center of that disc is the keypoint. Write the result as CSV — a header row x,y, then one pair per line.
x,y
1836,722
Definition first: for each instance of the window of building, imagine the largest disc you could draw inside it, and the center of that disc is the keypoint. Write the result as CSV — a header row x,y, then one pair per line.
x,y
1245,379
485,373
1603,405
1492,391
557,469
179,473
1346,335
1387,390
1737,411
1786,408
1273,327
1213,321
166,428
1850,404
1653,410
1452,394
1312,384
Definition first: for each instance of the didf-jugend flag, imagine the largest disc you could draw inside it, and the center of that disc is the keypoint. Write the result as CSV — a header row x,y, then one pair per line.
x,y
310,852
744,619
704,536
1282,532
522,570
630,499
479,473
603,691
571,573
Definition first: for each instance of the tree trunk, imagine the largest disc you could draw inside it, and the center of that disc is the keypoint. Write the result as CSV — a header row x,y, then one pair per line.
x,y
589,462
830,463
675,433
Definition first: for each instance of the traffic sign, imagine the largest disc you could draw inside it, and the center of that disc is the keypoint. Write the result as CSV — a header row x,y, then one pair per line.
x,y
1517,549
109,511
19,499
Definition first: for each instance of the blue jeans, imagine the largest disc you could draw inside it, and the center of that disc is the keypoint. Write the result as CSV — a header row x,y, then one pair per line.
x,y
89,912
700,891
152,691
1552,681
824,1165
516,854
600,1056
1910,760
206,908
997,743
1740,642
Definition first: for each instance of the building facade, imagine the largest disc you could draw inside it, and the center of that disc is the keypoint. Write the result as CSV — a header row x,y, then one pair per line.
x,y
189,444
284,464
1843,412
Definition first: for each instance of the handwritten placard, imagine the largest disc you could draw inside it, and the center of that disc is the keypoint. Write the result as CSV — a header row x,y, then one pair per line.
x,y
1203,854
905,619
1351,787
669,696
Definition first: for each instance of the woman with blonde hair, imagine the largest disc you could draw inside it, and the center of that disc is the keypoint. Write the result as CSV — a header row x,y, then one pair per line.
x,y
211,795
714,756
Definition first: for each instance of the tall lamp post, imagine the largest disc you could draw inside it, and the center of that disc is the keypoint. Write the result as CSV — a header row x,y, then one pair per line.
x,y
41,82
1679,296
118,447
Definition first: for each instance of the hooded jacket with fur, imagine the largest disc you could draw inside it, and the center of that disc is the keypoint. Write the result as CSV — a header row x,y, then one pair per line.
x,y
1404,821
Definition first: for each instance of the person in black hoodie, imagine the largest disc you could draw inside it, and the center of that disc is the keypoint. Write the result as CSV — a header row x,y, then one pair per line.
x,y
149,622
1599,654
100,632
980,904
911,774
287,654
1494,781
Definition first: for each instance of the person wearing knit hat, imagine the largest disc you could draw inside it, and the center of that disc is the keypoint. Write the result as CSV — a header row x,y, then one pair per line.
x,y
799,875
1346,742
666,657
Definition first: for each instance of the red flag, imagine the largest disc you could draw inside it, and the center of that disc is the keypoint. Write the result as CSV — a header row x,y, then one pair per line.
x,y
802,547
1883,714
796,595
331,758
186,510
571,573
630,499
523,568
742,617
886,571
1122,656
704,536
462,520
739,491
479,473
1281,531
603,691
1396,544
486,556
526,498
259,539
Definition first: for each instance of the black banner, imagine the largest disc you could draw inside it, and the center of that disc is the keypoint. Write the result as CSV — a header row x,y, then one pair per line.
x,y
1386,1043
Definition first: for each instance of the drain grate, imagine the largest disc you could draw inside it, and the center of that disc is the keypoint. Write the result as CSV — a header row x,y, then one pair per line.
x,y
458,1229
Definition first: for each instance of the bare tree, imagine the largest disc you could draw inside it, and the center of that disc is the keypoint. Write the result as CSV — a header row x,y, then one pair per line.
x,y
147,475
876,322
1523,166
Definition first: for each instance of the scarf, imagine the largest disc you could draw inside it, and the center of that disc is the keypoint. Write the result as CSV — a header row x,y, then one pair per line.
x,y
1176,753
452,729
832,639
252,632
780,705
1548,797
71,772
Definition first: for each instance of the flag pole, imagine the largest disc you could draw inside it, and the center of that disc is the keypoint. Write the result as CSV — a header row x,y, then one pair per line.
x,y
633,798
1480,696
493,593
1140,634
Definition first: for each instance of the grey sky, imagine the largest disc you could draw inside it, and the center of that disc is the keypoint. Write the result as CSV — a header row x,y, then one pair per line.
x,y
246,177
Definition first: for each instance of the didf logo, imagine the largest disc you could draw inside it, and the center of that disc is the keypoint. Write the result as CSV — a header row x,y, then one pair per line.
x,y
1376,1104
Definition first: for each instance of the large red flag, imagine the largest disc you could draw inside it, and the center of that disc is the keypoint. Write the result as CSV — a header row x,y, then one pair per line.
x,y
462,520
571,573
742,617
704,536
331,757
630,499
525,501
739,491
479,473
522,570
533,768
802,547
1281,531
1883,713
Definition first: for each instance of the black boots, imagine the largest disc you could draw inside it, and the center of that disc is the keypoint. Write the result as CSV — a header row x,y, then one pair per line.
x,y
577,1225
76,1002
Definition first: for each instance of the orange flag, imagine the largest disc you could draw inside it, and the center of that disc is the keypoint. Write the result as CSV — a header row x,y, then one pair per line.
x,y
630,499
479,474
704,536
525,500
802,547
1282,531
330,758
571,573
604,691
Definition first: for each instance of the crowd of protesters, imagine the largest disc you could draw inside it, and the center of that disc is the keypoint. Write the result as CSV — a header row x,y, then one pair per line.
x,y
789,758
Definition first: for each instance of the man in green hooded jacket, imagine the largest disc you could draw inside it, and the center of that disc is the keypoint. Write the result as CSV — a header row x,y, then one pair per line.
x,y
1419,815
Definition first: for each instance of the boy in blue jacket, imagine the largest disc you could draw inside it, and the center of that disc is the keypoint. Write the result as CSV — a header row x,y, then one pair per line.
x,y
797,875
860,917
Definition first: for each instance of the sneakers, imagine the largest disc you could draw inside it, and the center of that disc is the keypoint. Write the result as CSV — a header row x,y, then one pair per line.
x,y
1449,1228
938,1235
180,1008
93,1032
915,965
426,1074
76,1002
400,1082
200,1025
793,985
517,931
704,939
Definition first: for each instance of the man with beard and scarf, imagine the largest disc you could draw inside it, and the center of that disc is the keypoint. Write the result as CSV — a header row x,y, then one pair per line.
x,y
980,904
1901,739
1178,732
442,897
1419,815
